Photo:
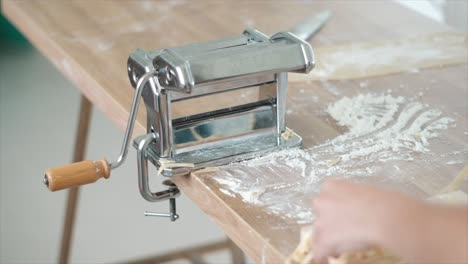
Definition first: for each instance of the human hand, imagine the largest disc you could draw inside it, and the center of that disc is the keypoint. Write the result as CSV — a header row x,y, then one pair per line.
x,y
352,217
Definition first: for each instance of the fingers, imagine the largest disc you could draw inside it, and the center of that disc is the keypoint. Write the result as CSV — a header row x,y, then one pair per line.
x,y
339,186
336,189
339,212
326,195
321,249
332,244
330,184
330,197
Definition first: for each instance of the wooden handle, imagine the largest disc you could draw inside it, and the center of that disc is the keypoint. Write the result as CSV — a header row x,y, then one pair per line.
x,y
75,174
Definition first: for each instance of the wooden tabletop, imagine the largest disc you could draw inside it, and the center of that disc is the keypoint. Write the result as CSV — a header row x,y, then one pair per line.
x,y
90,41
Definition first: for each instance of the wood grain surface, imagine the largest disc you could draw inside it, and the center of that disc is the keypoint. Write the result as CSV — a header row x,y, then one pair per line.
x,y
90,41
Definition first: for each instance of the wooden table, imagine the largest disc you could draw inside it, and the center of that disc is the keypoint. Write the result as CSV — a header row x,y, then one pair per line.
x,y
89,42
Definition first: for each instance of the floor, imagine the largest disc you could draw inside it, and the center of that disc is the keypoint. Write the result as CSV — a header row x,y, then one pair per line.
x,y
38,116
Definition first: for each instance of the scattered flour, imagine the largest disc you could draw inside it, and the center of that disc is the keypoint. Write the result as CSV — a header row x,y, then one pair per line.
x,y
330,87
364,84
385,126
453,162
374,56
358,60
248,22
380,128
227,192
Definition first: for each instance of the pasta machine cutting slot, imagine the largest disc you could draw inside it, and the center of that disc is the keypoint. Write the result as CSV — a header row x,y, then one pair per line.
x,y
221,124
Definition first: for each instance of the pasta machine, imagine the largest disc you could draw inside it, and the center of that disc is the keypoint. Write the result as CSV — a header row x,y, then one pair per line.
x,y
207,104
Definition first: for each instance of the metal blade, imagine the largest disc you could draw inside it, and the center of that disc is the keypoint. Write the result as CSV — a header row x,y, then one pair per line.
x,y
307,28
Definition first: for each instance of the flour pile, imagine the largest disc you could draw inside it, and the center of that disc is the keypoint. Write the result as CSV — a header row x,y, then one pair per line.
x,y
380,127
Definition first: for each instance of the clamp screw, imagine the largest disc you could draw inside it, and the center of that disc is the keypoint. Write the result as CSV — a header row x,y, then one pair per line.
x,y
172,204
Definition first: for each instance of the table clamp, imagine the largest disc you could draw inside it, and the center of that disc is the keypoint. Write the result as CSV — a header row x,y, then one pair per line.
x,y
221,124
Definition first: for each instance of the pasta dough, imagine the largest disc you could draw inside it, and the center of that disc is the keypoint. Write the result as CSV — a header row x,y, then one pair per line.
x,y
170,165
304,254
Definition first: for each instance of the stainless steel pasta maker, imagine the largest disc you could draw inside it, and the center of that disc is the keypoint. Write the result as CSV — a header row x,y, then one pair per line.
x,y
197,113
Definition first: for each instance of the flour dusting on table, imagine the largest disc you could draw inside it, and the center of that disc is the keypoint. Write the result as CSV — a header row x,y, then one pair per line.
x,y
366,59
380,127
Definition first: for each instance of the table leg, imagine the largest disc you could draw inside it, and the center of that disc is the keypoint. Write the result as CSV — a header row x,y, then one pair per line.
x,y
237,256
81,139
72,199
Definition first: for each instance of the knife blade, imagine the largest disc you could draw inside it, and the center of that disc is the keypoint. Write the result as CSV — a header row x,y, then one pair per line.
x,y
310,26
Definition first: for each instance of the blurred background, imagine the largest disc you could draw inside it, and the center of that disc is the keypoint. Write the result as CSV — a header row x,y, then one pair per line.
x,y
110,226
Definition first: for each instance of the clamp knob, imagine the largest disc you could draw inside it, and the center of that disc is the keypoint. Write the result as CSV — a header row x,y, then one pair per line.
x,y
172,203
